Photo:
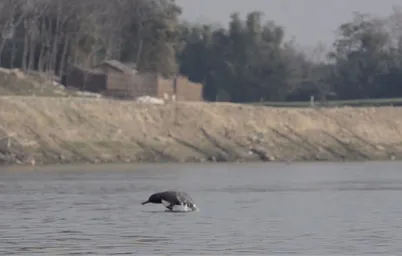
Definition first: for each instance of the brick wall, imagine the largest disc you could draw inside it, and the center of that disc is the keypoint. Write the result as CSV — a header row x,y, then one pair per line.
x,y
165,88
130,85
117,80
187,90
144,84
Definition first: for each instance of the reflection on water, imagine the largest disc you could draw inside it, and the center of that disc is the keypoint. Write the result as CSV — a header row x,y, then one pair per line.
x,y
311,208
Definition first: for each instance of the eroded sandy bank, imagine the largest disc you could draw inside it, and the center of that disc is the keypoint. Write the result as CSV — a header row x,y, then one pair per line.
x,y
65,130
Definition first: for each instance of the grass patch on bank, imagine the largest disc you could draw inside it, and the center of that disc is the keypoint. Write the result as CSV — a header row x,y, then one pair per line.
x,y
337,103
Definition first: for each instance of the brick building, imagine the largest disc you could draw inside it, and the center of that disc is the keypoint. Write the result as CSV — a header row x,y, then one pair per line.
x,y
115,79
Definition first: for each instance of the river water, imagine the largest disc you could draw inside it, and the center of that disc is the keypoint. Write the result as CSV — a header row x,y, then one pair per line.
x,y
245,209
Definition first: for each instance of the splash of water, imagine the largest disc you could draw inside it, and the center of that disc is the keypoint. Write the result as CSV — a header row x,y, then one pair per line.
x,y
183,208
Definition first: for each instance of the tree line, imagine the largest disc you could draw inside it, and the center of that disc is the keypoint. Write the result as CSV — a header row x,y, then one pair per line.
x,y
247,61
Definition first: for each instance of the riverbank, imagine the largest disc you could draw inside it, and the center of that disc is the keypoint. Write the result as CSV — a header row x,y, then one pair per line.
x,y
49,130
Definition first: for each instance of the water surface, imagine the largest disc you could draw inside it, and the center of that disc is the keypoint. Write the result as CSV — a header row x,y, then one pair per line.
x,y
245,209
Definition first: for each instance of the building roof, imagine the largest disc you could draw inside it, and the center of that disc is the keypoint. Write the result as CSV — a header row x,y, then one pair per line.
x,y
89,70
120,66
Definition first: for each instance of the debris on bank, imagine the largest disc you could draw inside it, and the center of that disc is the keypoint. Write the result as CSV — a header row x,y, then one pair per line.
x,y
262,153
149,99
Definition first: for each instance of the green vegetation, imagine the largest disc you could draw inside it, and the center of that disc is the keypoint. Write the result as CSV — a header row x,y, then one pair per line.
x,y
249,61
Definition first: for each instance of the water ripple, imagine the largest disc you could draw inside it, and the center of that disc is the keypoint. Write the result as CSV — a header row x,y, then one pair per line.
x,y
251,212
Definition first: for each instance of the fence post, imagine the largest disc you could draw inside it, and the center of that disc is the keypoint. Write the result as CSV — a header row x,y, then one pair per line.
x,y
176,108
312,101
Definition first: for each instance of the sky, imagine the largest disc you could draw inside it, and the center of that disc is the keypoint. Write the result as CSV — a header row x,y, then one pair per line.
x,y
309,21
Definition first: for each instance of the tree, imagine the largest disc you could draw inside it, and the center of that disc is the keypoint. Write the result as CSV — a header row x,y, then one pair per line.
x,y
248,61
360,55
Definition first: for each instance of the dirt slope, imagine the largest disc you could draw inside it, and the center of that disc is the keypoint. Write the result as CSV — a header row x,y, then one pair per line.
x,y
63,130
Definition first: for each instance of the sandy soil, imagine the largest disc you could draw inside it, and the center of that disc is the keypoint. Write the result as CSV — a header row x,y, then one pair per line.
x,y
47,130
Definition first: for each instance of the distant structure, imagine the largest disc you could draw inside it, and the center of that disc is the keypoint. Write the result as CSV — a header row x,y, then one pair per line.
x,y
121,80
